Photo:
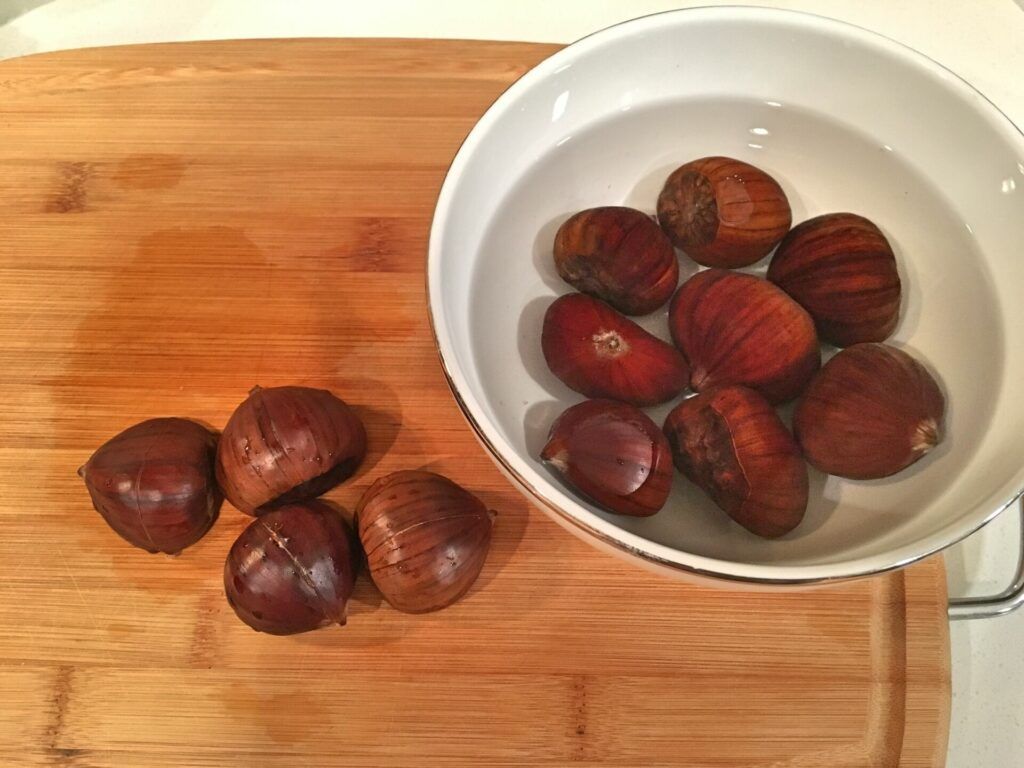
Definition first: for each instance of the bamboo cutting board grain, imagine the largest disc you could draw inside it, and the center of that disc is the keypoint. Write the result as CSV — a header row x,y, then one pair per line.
x,y
181,222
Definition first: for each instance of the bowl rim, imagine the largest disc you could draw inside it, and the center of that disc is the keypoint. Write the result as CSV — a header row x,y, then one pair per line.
x,y
625,542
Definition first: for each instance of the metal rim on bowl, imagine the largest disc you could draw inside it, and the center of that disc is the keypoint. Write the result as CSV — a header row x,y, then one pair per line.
x,y
625,542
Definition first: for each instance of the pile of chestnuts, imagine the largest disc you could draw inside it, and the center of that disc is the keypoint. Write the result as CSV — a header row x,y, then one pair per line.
x,y
741,344
159,484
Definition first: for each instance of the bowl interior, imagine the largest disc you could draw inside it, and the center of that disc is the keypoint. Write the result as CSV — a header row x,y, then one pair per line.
x,y
888,135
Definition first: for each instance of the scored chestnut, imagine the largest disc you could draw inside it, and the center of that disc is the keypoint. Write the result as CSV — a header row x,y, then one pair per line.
x,y
600,353
841,269
871,411
733,446
735,328
425,537
613,454
619,255
154,483
723,212
292,570
286,444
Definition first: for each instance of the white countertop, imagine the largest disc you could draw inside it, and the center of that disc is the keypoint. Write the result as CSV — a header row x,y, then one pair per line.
x,y
981,40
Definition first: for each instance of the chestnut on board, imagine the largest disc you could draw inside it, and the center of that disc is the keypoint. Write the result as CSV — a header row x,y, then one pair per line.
x,y
292,570
723,212
287,444
154,483
735,328
613,454
841,269
425,537
597,352
731,443
871,411
619,255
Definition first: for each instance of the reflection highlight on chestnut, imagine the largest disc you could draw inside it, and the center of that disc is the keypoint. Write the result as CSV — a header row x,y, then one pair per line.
x,y
613,454
287,444
619,255
292,570
425,537
154,483
733,446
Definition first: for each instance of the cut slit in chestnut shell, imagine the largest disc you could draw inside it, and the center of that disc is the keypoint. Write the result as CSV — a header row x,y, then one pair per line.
x,y
600,353
154,483
292,570
619,255
841,269
735,328
287,444
871,411
723,212
613,454
731,443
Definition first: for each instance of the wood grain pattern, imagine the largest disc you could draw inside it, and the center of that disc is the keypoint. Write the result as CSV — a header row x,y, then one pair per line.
x,y
179,223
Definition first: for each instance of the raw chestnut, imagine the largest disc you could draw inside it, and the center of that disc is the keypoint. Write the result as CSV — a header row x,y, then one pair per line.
x,y
732,444
154,483
292,570
613,454
841,269
425,539
619,255
723,212
735,328
871,411
287,444
596,351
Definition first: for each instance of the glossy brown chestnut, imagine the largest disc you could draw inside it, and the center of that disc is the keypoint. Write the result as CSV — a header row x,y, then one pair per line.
x,y
735,328
730,442
599,353
723,212
613,454
425,538
292,570
871,411
619,255
840,268
286,444
154,483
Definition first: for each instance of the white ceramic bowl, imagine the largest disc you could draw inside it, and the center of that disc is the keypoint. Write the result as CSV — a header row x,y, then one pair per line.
x,y
845,120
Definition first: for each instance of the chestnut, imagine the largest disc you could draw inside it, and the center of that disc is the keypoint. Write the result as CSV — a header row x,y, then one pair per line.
x,y
735,328
619,255
723,212
425,537
731,443
292,570
597,352
154,483
871,411
613,454
841,269
286,444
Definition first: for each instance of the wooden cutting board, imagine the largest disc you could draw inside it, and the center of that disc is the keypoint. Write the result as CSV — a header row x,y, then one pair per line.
x,y
181,222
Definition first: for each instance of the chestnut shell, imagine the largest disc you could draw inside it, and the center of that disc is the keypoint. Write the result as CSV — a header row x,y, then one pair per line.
x,y
841,269
871,411
735,328
292,570
425,537
287,444
612,454
723,212
154,483
731,443
598,352
619,255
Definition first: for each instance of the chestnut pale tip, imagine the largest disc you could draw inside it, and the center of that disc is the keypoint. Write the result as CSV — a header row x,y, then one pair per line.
x,y
927,435
609,343
557,459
